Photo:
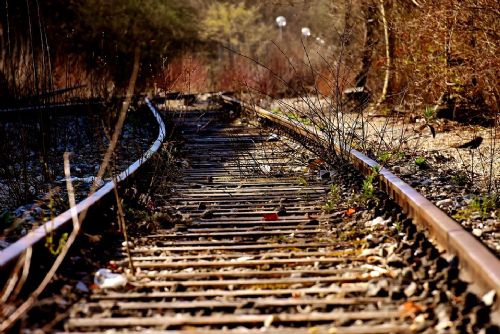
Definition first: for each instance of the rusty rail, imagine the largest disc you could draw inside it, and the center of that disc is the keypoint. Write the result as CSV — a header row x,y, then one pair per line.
x,y
14,110
14,251
481,266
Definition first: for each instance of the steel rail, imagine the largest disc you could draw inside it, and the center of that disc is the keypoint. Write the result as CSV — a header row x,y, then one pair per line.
x,y
48,106
481,266
14,251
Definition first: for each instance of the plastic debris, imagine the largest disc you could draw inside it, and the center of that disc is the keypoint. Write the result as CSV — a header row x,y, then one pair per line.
x,y
106,279
379,221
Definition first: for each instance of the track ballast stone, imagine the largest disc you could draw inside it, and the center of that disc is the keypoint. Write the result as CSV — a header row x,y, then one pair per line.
x,y
256,237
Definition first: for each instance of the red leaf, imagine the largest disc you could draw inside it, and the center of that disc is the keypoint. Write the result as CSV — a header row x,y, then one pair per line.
x,y
315,163
112,266
270,216
350,211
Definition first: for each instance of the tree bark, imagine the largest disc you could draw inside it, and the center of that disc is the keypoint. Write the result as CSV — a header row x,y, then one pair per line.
x,y
389,46
369,12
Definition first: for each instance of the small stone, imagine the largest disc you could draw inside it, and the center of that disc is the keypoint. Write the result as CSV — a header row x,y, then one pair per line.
x,y
324,174
475,216
458,287
444,203
130,244
490,329
407,275
454,261
470,301
411,289
379,289
266,169
440,297
407,255
489,298
207,214
401,170
443,325
4,244
477,232
281,210
422,273
426,182
80,286
480,316
395,261
397,295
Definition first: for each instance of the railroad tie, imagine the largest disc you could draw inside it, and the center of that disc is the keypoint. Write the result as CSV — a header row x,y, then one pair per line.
x,y
257,255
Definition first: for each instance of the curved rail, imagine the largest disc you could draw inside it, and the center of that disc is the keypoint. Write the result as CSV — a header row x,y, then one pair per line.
x,y
482,267
14,251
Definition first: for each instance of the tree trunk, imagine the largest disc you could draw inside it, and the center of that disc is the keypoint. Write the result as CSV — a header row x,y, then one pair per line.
x,y
369,13
389,46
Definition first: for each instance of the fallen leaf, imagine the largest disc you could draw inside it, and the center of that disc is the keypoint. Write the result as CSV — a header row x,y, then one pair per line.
x,y
313,330
411,309
270,216
93,238
350,211
314,164
112,265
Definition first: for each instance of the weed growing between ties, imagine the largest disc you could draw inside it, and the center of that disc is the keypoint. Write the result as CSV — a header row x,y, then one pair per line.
x,y
369,183
480,207
333,199
422,278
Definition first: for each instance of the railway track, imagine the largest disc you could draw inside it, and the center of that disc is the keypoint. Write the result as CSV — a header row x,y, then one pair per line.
x,y
264,240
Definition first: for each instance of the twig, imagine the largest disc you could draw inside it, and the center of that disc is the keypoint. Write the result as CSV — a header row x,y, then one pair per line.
x,y
123,227
28,304
26,270
13,279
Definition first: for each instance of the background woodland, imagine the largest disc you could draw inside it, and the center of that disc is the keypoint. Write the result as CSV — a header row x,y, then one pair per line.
x,y
403,52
